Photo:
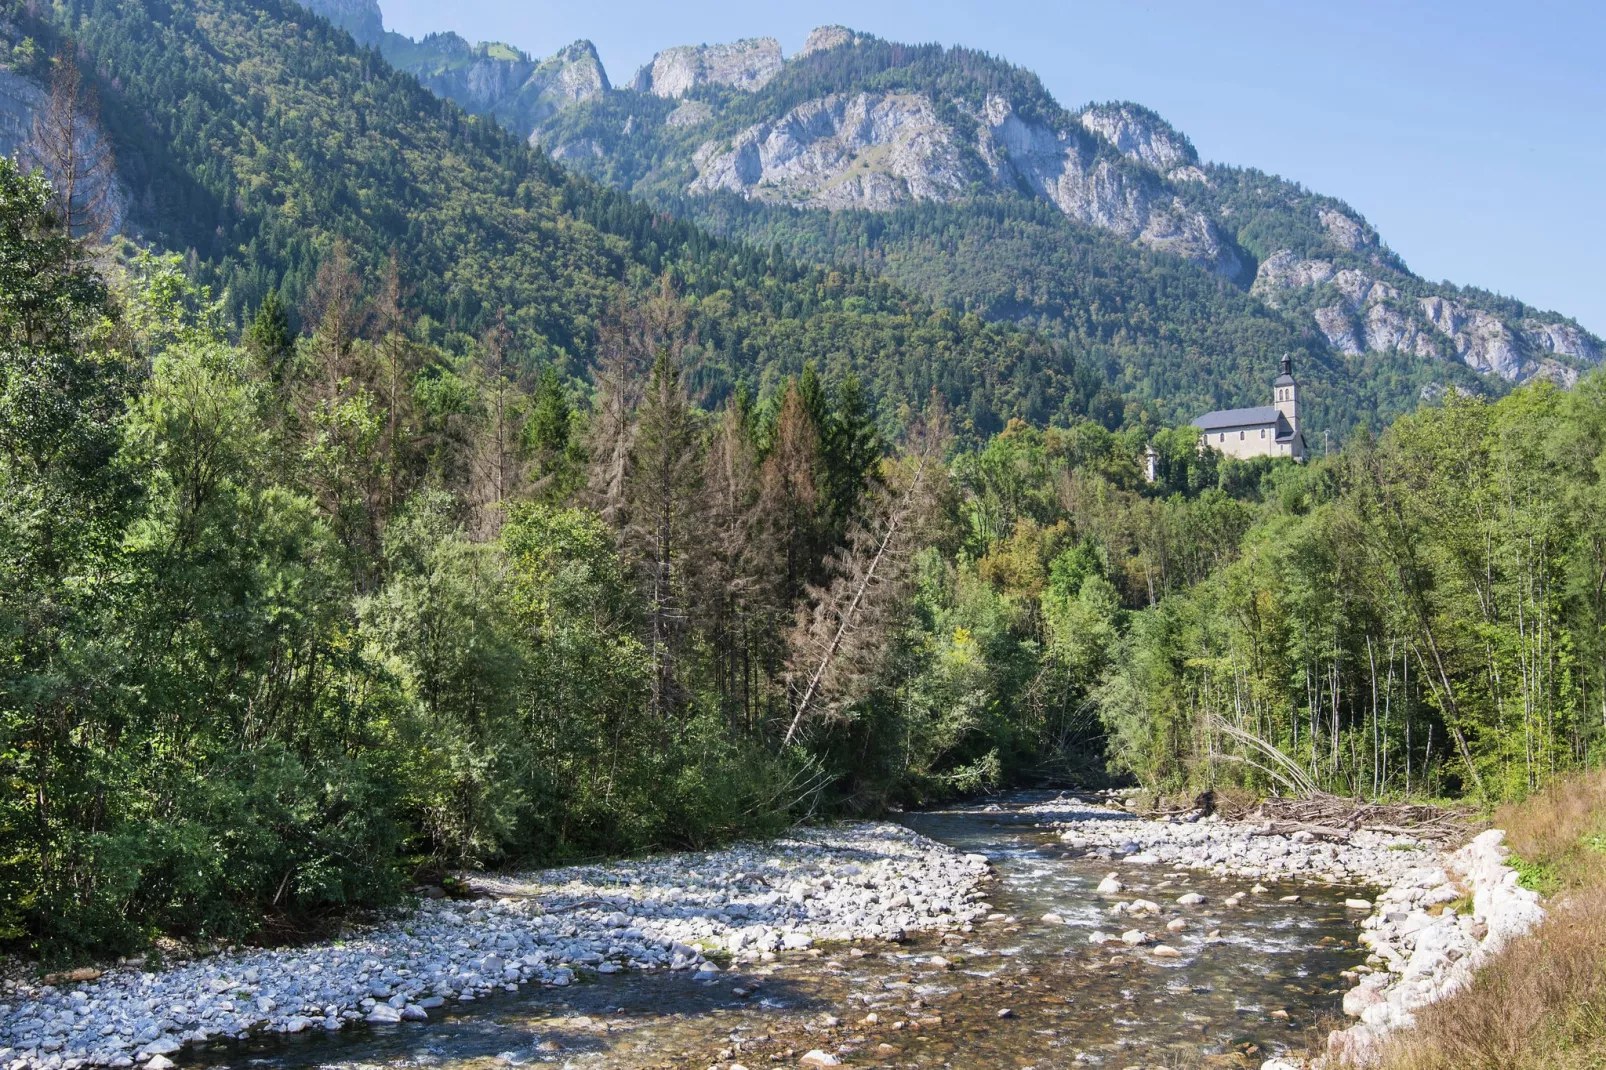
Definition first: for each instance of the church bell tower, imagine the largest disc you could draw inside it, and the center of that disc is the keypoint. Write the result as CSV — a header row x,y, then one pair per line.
x,y
1285,394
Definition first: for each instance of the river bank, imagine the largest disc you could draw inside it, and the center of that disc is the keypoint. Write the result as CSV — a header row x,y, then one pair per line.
x,y
869,881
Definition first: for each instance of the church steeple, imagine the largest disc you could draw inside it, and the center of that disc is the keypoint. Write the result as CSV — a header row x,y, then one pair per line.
x,y
1285,394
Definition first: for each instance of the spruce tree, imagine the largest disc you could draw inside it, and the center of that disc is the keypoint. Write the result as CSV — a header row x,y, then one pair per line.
x,y
663,510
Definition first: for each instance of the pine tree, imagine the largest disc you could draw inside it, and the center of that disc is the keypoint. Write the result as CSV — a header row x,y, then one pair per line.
x,y
791,496
841,639
499,469
270,339
852,449
396,357
733,592
549,437
666,473
630,342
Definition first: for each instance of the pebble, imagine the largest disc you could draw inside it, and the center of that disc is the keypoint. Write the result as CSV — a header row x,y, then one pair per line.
x,y
861,881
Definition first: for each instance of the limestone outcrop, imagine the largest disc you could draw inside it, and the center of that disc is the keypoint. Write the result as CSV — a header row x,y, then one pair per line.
x,y
1141,135
881,150
1371,315
747,65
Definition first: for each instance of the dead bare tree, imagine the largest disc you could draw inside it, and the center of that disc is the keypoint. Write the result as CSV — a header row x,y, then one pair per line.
x,y
499,470
67,145
841,637
335,308
629,342
395,357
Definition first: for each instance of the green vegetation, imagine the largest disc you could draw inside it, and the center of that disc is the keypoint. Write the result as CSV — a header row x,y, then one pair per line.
x,y
1421,614
1155,326
439,509
290,619
255,136
1540,1003
1152,324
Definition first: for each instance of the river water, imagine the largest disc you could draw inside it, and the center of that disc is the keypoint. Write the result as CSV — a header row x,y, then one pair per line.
x,y
1017,992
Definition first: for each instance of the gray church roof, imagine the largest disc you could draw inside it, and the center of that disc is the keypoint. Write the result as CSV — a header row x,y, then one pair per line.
x,y
1260,416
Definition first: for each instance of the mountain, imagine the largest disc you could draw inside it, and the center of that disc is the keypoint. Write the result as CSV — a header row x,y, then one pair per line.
x,y
958,175
252,136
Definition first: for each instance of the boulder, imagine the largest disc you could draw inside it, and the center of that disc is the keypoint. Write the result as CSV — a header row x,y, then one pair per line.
x,y
1361,997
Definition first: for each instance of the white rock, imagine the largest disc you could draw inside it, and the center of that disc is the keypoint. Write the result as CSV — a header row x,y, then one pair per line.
x,y
1361,997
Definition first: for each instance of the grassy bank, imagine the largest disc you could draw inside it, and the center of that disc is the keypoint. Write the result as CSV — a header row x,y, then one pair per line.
x,y
1541,1005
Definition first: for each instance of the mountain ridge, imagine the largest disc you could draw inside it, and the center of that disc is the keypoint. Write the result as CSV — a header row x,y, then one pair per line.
x,y
852,123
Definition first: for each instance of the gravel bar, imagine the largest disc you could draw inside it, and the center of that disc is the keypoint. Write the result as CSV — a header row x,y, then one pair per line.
x,y
863,881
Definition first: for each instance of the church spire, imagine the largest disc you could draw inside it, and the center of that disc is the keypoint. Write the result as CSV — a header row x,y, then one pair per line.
x,y
1285,394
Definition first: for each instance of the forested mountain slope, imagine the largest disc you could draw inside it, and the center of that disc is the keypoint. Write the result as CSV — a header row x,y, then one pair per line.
x,y
959,176
253,135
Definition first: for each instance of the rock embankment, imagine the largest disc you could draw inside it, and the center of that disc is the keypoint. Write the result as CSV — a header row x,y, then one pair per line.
x,y
1426,943
1438,917
869,881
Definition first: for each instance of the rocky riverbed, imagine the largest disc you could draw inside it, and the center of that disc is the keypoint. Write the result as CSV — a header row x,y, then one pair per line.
x,y
1228,932
1438,917
870,881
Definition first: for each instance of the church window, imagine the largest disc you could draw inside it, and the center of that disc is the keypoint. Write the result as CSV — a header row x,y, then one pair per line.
x,y
1240,436
1262,432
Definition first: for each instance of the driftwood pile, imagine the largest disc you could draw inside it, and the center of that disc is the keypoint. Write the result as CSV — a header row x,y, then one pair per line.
x,y
1333,817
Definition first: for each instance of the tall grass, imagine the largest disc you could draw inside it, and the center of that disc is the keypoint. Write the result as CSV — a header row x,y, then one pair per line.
x,y
1541,1004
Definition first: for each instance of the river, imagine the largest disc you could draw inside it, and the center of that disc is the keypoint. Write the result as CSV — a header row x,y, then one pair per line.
x,y
1017,992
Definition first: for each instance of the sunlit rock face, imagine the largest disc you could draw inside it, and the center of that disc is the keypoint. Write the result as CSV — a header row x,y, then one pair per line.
x,y
746,65
880,150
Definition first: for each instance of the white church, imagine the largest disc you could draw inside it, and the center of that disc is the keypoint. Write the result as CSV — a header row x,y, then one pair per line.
x,y
1266,431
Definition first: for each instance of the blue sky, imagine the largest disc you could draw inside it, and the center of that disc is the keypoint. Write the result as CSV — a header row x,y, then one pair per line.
x,y
1472,134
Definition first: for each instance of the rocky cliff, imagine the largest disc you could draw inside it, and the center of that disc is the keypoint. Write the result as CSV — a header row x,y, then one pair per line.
x,y
745,65
853,123
880,150
21,99
489,78
1358,313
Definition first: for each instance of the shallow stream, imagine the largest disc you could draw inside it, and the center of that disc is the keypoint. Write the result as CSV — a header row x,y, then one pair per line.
x,y
1017,992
